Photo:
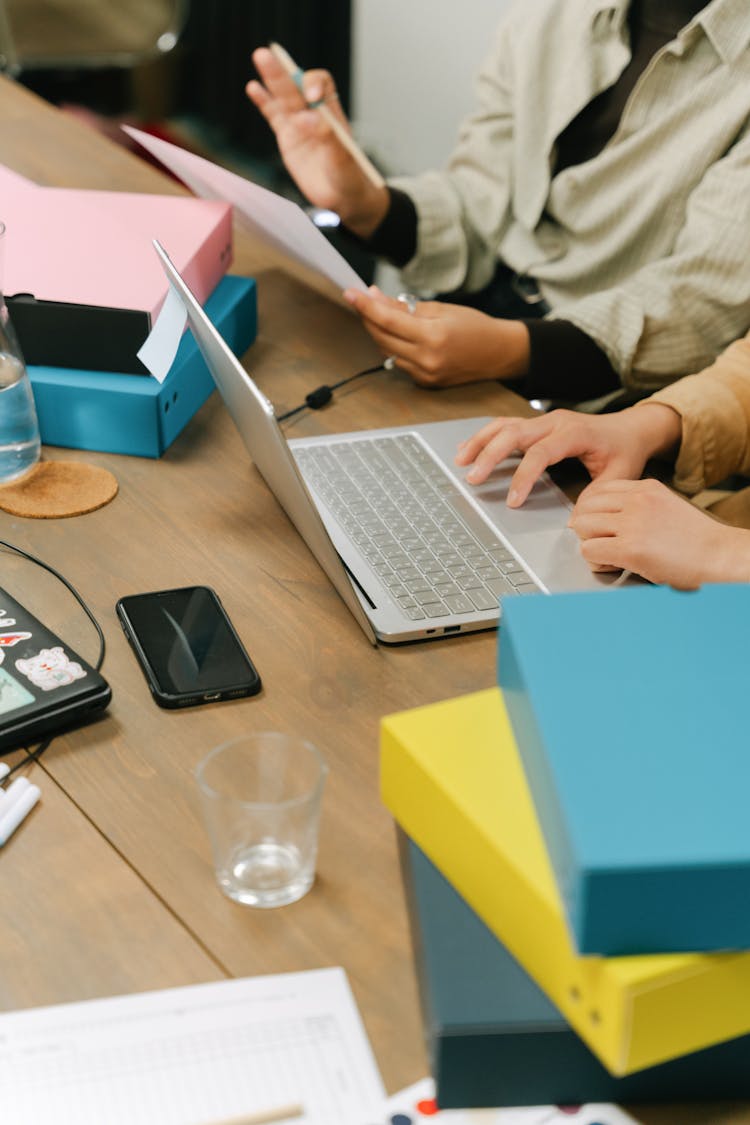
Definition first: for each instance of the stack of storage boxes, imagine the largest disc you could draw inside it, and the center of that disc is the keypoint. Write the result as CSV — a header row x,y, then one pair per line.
x,y
579,854
83,286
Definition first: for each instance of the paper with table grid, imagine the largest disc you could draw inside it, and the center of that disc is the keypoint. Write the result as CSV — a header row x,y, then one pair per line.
x,y
193,1056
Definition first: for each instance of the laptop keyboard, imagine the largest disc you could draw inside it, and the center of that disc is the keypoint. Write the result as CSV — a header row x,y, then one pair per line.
x,y
433,553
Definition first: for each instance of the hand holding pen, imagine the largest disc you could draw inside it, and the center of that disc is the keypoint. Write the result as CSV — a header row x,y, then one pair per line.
x,y
306,116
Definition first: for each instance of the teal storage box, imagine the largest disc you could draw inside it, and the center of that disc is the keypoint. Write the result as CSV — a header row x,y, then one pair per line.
x,y
629,710
135,414
495,1039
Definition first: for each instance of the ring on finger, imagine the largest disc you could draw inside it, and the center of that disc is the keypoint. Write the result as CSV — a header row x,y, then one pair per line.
x,y
409,300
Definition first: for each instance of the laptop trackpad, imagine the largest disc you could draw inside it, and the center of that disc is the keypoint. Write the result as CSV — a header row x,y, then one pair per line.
x,y
538,531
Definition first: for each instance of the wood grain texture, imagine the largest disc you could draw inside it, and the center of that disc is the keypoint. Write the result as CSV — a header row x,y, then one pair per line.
x,y
77,922
202,515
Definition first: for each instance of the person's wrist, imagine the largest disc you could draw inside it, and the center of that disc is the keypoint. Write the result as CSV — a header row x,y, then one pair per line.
x,y
730,555
658,428
512,353
363,213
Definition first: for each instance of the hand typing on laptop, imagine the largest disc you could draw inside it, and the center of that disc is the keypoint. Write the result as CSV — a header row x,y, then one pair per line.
x,y
623,522
610,446
644,527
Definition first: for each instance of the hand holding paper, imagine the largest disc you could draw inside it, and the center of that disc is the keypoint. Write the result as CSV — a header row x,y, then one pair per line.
x,y
276,221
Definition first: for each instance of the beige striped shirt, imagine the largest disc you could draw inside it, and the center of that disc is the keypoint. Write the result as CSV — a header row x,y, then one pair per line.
x,y
645,247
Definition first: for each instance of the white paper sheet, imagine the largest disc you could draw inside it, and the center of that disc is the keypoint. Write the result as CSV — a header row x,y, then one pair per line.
x,y
193,1056
277,221
160,346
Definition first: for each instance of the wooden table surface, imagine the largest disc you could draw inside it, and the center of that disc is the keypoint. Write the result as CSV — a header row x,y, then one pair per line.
x,y
108,887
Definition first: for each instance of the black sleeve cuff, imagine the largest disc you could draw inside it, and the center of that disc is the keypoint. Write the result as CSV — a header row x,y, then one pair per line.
x,y
565,364
396,237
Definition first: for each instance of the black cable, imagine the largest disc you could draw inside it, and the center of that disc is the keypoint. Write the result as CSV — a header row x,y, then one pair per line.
x,y
35,755
322,395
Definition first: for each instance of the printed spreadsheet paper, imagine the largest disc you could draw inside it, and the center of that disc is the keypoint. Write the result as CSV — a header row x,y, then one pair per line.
x,y
193,1056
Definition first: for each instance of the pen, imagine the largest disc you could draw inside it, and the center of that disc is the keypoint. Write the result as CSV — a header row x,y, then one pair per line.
x,y
290,66
265,1117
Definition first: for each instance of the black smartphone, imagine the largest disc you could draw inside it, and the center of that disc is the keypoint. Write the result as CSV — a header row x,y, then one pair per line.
x,y
187,647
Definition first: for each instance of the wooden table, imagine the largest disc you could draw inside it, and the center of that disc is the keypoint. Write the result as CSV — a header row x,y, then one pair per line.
x,y
108,887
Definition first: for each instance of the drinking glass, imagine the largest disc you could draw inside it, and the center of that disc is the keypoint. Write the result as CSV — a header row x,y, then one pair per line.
x,y
261,796
20,445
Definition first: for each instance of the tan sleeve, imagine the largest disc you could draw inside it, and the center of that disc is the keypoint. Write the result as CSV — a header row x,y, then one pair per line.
x,y
715,409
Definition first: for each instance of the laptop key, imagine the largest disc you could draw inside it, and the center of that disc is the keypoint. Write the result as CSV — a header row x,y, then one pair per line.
x,y
486,572
414,614
500,554
436,609
417,585
472,552
521,579
459,603
468,582
426,598
499,586
482,599
513,567
446,589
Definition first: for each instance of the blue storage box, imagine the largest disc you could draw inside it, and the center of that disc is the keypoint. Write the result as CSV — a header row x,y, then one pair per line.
x,y
628,707
135,414
495,1039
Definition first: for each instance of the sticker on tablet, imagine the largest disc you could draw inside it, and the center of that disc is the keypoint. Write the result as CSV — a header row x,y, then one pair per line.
x,y
51,668
416,1105
12,694
6,622
7,640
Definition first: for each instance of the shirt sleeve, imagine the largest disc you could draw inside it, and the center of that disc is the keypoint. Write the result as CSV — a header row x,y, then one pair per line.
x,y
565,364
396,237
715,409
677,313
562,356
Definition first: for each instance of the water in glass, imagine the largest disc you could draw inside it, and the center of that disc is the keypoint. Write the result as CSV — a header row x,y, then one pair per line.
x,y
19,430
267,874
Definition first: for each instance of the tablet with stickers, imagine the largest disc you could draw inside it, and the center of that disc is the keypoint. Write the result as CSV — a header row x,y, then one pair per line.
x,y
416,1106
44,685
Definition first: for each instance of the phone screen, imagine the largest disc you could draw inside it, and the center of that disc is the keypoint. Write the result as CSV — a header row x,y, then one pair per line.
x,y
187,644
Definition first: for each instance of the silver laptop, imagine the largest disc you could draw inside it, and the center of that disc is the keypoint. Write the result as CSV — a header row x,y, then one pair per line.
x,y
413,552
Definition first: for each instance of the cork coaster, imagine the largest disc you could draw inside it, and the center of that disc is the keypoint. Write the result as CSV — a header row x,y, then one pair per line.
x,y
55,489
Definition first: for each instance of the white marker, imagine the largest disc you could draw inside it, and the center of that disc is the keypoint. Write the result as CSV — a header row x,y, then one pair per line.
x,y
4,770
23,802
10,795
